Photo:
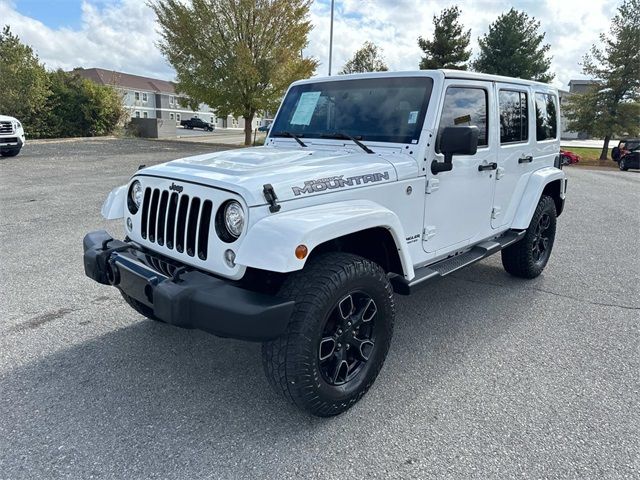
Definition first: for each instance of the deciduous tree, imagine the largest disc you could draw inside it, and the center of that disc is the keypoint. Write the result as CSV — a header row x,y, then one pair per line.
x,y
611,107
449,47
24,85
237,56
514,48
367,59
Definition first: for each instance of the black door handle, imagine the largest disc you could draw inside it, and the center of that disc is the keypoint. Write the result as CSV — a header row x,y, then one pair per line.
x,y
527,159
488,166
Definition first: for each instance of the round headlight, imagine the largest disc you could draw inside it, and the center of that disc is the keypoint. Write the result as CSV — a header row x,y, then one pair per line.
x,y
234,218
135,196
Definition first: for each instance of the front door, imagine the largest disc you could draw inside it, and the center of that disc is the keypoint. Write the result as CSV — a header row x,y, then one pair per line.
x,y
458,202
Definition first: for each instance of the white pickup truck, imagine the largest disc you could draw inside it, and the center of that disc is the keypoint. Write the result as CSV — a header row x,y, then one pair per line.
x,y
367,185
12,137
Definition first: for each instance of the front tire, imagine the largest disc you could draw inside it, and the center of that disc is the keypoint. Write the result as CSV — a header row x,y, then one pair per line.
x,y
338,335
528,257
10,153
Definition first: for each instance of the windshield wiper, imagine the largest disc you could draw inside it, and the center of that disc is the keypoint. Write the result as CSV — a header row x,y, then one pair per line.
x,y
344,136
290,135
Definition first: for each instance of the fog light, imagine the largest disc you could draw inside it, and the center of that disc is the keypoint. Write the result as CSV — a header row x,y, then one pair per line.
x,y
230,258
129,224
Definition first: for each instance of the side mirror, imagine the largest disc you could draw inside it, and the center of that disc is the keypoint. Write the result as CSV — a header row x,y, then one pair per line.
x,y
455,141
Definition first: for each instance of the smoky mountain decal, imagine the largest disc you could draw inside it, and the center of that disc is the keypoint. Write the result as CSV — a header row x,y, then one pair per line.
x,y
331,183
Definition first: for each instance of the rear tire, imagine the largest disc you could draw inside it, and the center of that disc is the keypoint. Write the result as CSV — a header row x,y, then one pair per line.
x,y
140,307
622,165
528,257
338,335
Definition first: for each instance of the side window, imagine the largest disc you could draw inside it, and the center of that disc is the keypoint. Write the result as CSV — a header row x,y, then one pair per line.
x,y
546,116
466,106
514,124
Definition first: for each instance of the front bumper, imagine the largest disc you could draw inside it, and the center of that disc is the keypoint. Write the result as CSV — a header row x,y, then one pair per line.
x,y
182,296
11,142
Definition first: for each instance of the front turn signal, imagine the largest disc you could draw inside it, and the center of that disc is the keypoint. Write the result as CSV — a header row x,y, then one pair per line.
x,y
301,252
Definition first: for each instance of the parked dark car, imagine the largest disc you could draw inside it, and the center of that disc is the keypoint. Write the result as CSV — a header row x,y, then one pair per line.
x,y
264,128
627,153
197,123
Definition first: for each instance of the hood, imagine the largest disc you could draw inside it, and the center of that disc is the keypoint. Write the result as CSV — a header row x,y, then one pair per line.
x,y
293,173
5,118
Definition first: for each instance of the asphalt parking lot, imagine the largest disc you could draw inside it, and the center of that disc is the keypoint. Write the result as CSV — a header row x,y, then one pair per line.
x,y
488,376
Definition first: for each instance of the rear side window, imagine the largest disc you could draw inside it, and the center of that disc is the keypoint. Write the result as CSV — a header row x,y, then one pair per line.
x,y
546,116
514,124
466,106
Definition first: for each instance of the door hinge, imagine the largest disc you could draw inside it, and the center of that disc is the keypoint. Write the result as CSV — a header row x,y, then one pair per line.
x,y
428,232
495,212
433,184
499,173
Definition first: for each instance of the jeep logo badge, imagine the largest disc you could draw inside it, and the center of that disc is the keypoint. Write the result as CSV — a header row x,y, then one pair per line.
x,y
177,188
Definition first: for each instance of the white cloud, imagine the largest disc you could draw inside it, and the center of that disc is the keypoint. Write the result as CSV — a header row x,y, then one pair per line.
x,y
118,36
122,35
571,27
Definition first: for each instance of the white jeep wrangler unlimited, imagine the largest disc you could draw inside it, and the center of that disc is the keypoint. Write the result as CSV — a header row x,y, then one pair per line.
x,y
367,184
12,137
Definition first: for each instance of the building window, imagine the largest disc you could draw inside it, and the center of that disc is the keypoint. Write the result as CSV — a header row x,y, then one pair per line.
x,y
212,120
172,100
171,116
178,116
137,114
144,97
546,117
514,123
137,95
145,115
466,106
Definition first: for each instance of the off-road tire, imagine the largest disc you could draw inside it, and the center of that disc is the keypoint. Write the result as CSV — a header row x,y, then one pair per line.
x,y
519,259
139,307
10,153
292,362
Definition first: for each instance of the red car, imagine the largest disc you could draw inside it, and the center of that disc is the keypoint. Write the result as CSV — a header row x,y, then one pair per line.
x,y
568,158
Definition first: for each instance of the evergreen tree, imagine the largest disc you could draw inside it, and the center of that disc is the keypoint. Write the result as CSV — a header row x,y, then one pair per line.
x,y
513,47
611,107
450,43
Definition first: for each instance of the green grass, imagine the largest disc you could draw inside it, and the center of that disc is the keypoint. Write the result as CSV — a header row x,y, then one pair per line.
x,y
589,156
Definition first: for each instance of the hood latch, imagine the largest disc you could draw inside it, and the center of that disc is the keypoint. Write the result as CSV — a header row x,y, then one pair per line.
x,y
271,198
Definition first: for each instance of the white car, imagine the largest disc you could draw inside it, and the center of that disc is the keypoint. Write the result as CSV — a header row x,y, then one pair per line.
x,y
367,185
12,137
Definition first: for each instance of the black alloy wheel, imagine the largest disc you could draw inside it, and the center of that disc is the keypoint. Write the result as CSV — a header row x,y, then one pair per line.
x,y
542,240
348,338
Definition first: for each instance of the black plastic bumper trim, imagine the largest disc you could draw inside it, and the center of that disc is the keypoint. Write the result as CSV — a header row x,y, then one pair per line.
x,y
193,299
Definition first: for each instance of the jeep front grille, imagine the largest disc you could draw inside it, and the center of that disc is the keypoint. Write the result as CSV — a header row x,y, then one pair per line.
x,y
178,221
6,127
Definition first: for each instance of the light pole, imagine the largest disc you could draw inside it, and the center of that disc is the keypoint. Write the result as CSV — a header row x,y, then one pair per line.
x,y
331,37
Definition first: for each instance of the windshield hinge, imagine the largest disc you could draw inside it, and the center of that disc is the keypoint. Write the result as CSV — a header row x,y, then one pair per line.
x,y
271,198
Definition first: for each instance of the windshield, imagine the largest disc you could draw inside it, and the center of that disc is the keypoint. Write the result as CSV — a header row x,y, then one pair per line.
x,y
632,145
374,109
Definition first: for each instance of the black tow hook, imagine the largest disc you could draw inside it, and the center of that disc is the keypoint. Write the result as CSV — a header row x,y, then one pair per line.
x,y
113,274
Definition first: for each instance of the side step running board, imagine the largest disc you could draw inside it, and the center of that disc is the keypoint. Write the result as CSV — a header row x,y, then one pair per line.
x,y
455,262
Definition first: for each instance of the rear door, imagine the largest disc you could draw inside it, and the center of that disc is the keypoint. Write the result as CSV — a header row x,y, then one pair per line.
x,y
515,150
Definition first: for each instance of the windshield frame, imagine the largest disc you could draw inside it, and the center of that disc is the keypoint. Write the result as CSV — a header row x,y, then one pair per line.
x,y
292,97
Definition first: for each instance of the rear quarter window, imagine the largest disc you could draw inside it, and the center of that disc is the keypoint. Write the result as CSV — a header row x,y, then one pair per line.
x,y
546,116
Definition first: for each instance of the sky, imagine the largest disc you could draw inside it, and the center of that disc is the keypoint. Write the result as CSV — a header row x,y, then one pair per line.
x,y
122,34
